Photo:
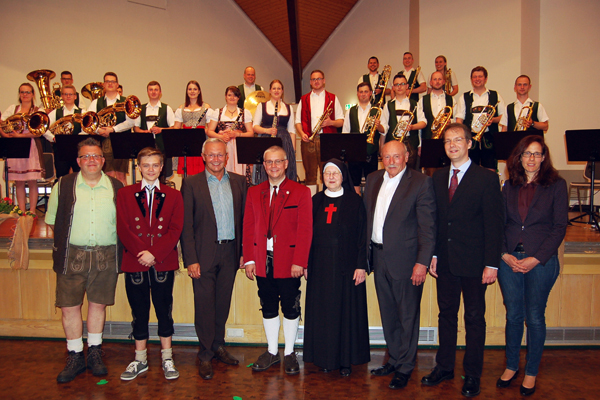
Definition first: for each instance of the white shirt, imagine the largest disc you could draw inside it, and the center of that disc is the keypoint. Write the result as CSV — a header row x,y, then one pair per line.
x,y
281,111
373,78
481,101
249,89
420,79
462,169
363,113
149,198
384,198
542,116
317,106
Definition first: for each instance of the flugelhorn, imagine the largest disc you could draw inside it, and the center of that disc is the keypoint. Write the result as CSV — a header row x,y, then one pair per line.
x,y
440,122
524,119
412,85
448,79
64,126
478,126
37,123
131,106
401,129
322,119
369,126
93,90
42,78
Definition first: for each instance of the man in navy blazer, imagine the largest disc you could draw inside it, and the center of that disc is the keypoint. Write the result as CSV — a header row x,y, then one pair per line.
x,y
469,240
400,207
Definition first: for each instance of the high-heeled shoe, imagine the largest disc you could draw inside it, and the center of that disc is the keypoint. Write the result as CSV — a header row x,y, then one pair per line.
x,y
501,383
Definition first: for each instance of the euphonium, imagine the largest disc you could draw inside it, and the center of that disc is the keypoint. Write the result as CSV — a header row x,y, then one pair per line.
x,y
64,126
523,119
369,126
478,126
440,122
401,128
131,106
42,79
93,90
412,85
37,123
322,119
448,79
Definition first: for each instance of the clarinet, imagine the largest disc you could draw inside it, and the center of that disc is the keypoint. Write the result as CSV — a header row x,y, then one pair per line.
x,y
275,119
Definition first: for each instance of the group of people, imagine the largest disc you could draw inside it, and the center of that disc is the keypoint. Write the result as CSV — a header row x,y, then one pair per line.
x,y
453,223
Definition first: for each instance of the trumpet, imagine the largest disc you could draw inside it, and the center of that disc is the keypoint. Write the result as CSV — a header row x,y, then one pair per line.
x,y
64,126
524,119
448,79
412,85
369,126
42,79
322,119
440,122
478,126
108,116
93,90
37,123
401,129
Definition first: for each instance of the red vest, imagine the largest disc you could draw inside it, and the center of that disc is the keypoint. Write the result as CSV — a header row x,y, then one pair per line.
x,y
306,117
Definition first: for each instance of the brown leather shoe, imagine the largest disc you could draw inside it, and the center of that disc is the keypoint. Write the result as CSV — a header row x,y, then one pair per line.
x,y
265,360
223,355
206,370
291,365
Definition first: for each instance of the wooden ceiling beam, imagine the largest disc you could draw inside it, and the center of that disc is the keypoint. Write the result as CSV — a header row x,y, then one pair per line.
x,y
292,11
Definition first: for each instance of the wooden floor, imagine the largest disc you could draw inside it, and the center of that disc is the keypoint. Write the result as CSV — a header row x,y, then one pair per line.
x,y
29,371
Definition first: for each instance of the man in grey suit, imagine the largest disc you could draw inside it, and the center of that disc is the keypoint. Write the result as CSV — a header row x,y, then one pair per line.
x,y
401,212
211,242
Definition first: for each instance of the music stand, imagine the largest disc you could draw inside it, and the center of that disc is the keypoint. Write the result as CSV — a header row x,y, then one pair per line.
x,y
505,142
584,145
347,147
433,154
127,145
183,143
13,148
250,149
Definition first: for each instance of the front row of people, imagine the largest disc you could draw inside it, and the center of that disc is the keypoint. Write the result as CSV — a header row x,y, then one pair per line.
x,y
454,225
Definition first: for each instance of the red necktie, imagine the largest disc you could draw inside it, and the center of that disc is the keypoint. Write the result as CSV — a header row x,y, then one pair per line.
x,y
453,183
272,205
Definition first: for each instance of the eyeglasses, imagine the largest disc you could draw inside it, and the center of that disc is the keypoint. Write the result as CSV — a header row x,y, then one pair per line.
x,y
316,79
457,141
277,163
528,154
89,157
213,156
111,82
400,84
25,92
69,94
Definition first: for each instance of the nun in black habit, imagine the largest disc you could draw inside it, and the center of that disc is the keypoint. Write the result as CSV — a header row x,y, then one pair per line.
x,y
336,332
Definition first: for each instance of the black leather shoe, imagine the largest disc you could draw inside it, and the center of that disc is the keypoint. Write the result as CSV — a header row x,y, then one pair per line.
x,y
436,377
470,387
527,391
384,370
75,366
345,371
399,381
325,370
290,363
205,370
223,355
504,384
94,361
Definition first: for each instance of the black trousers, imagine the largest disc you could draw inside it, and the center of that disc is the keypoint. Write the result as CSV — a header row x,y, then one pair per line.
x,y
400,308
139,287
271,291
449,288
212,300
360,168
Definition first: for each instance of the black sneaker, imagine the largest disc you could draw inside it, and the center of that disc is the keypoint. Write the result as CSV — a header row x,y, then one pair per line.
x,y
75,366
94,361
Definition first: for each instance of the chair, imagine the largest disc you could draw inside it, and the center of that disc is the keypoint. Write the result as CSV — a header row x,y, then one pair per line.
x,y
587,175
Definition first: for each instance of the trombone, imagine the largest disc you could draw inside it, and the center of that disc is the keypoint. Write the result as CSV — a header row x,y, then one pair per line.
x,y
524,119
412,85
401,129
322,119
440,122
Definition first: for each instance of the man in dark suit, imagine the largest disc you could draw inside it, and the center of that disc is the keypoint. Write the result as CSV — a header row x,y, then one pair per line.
x,y
401,233
277,236
469,241
211,242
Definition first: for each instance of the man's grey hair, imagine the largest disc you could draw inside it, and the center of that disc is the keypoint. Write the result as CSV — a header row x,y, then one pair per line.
x,y
215,140
274,148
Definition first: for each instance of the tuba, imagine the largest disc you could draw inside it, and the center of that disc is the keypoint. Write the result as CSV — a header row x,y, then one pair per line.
x,y
369,125
401,128
64,126
478,126
42,79
93,90
37,123
448,79
412,85
131,106
322,119
440,122
523,118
